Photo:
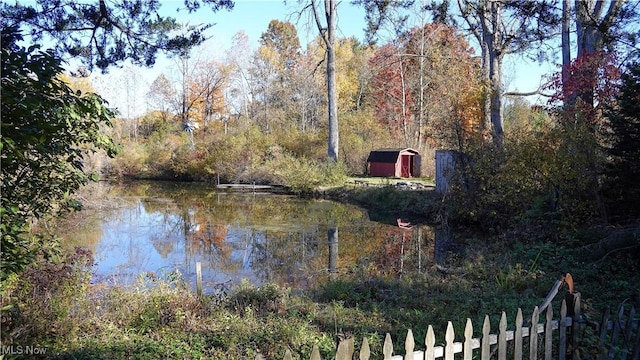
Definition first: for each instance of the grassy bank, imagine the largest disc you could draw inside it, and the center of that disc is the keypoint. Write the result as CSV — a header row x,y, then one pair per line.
x,y
413,197
54,306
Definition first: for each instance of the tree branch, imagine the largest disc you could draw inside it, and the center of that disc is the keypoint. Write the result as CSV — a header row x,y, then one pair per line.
x,y
316,17
538,91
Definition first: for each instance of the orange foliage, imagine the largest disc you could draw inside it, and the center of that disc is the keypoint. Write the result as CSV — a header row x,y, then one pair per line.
x,y
206,93
429,86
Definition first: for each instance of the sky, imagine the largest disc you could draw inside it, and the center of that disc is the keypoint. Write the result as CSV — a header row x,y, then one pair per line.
x,y
253,17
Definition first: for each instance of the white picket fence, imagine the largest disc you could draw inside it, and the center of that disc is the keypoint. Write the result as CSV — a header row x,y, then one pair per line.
x,y
618,339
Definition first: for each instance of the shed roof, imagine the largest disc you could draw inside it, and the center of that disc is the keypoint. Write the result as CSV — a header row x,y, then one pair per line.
x,y
387,155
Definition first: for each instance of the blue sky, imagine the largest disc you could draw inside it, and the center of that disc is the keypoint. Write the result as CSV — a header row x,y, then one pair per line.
x,y
253,17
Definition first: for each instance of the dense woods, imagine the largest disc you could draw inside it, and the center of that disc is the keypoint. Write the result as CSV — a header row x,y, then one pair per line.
x,y
422,90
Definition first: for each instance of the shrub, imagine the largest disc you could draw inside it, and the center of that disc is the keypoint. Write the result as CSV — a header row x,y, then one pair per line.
x,y
546,175
260,300
303,175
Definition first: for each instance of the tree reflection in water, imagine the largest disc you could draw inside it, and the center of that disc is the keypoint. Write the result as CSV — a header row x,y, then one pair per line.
x,y
259,237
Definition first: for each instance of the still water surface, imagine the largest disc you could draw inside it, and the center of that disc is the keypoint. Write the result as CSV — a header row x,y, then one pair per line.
x,y
155,229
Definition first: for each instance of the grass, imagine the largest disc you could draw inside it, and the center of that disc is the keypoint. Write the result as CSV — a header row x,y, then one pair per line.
x,y
382,195
160,318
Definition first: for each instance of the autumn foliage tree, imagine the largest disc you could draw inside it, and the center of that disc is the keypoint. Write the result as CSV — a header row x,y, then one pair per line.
x,y
207,93
428,89
450,86
580,101
549,168
274,69
585,87
393,99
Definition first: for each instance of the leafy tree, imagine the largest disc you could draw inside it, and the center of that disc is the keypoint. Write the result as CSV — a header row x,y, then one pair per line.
x,y
104,33
447,85
277,65
207,86
46,130
161,94
519,116
427,88
309,96
393,99
78,83
595,71
239,93
353,75
282,37
500,28
621,192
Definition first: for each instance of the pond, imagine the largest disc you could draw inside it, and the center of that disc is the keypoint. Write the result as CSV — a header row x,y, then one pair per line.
x,y
160,229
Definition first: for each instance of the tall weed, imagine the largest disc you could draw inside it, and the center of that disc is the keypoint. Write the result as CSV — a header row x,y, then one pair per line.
x,y
46,298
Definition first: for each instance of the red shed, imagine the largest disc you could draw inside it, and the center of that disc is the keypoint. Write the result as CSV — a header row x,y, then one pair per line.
x,y
394,162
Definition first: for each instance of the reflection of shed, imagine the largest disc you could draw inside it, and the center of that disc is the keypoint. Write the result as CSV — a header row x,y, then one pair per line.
x,y
394,162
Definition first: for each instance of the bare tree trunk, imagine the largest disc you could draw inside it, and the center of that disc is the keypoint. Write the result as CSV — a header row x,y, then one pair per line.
x,y
492,37
403,116
421,110
485,21
588,13
328,35
486,101
566,47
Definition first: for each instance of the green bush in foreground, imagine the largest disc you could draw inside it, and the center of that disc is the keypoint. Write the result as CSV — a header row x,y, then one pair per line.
x,y
47,129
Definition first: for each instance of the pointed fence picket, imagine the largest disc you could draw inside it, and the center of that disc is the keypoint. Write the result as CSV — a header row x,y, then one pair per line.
x,y
619,338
